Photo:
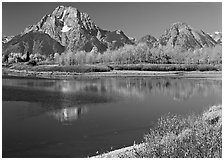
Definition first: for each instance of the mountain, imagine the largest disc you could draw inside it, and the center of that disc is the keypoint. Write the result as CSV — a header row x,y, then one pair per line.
x,y
117,39
72,29
5,39
32,42
76,31
183,36
66,28
151,41
217,36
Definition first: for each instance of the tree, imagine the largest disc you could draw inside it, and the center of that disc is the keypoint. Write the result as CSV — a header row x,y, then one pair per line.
x,y
56,57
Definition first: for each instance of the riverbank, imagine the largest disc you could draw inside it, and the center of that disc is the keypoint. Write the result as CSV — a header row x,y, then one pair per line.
x,y
102,71
55,71
179,137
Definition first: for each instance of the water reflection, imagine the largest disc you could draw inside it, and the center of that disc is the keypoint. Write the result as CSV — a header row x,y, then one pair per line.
x,y
68,114
178,89
67,100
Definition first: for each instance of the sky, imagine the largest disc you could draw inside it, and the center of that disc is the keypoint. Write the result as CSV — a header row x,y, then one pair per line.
x,y
135,19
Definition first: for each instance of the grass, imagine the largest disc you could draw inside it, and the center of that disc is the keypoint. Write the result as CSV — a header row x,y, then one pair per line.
x,y
56,68
167,67
189,137
106,67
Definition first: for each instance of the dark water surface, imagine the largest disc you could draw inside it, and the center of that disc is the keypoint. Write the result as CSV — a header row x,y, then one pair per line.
x,y
79,118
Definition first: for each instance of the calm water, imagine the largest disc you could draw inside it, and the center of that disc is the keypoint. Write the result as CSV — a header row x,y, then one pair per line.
x,y
79,118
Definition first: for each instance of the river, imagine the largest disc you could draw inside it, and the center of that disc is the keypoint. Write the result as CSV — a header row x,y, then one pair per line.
x,y
85,117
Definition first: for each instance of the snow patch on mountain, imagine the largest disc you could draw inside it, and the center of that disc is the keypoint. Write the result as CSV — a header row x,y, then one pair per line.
x,y
66,28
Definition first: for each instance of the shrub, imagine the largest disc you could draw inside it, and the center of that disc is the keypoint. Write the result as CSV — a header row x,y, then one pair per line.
x,y
56,57
190,137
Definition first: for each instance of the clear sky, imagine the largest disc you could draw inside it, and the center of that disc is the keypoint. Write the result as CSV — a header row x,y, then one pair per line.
x,y
134,19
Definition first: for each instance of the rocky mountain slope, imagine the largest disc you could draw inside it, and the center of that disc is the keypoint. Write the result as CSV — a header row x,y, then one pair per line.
x,y
217,36
149,40
182,35
34,43
5,39
74,30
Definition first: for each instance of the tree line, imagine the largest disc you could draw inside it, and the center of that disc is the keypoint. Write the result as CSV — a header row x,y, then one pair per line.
x,y
141,53
128,54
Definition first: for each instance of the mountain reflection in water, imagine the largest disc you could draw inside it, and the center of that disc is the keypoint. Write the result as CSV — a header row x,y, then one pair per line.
x,y
179,89
55,96
68,114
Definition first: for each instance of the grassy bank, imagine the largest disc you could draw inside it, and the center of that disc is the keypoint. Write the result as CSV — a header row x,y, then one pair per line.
x,y
106,67
167,67
99,70
180,137
56,68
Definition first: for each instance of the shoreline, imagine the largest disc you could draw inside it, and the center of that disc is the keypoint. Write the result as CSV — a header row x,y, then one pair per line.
x,y
210,119
111,74
119,153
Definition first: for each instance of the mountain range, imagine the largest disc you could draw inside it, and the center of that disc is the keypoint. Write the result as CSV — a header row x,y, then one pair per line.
x,y
68,29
